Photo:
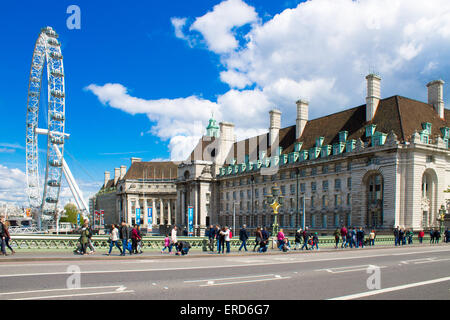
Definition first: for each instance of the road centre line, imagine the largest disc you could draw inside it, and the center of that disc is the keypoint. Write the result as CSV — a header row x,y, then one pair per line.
x,y
391,289
75,295
63,289
206,267
242,277
239,282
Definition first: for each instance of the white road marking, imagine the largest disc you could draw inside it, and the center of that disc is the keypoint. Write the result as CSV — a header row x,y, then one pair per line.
x,y
120,289
349,268
397,288
219,279
75,295
245,281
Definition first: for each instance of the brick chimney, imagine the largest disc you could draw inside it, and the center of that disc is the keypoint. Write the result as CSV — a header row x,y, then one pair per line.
x,y
275,126
436,96
123,172
373,95
302,117
116,175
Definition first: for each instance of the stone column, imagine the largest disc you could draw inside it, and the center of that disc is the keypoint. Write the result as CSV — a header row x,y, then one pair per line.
x,y
161,212
183,207
169,217
144,213
153,212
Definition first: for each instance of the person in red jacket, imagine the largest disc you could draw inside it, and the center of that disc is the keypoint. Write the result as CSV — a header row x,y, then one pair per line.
x,y
344,236
135,238
421,235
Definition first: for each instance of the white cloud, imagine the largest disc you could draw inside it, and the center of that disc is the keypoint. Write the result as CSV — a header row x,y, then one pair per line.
x,y
320,50
12,185
178,24
217,26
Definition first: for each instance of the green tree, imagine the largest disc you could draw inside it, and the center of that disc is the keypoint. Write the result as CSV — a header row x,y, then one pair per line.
x,y
71,214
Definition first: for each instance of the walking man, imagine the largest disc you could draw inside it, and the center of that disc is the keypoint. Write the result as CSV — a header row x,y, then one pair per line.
x,y
305,238
344,237
211,237
243,236
396,236
114,240
124,235
298,238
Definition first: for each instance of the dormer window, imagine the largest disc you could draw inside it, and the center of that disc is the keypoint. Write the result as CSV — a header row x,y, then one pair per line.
x,y
343,136
350,145
298,146
370,130
338,148
424,136
319,141
325,151
378,139
426,127
303,155
445,132
314,153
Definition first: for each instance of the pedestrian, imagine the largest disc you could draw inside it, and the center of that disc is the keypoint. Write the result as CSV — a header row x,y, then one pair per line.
x,y
90,243
183,248
114,240
243,236
344,237
217,234
396,236
354,237
227,238
124,236
337,235
305,238
211,237
258,238
135,239
372,238
167,244
286,246
222,240
350,238
3,235
437,236
431,236
360,238
280,239
265,240
409,235
173,239
298,238
447,236
315,241
401,236
421,235
8,237
84,238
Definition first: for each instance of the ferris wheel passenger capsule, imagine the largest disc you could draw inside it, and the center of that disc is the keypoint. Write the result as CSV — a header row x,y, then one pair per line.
x,y
57,116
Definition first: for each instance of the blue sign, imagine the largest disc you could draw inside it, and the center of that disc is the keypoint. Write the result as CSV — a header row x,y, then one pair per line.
x,y
190,221
78,219
138,216
149,219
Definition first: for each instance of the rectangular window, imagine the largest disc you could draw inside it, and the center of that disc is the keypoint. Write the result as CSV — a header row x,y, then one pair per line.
x,y
313,186
234,195
337,184
312,201
257,193
325,185
349,183
338,167
313,171
293,189
302,187
303,173
325,169
283,190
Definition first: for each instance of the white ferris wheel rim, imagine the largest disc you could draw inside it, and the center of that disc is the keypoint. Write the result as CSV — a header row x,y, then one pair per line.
x,y
47,51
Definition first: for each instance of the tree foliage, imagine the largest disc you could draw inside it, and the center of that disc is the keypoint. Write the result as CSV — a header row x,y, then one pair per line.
x,y
71,214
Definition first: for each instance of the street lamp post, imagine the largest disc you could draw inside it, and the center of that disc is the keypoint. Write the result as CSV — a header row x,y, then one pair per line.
x,y
441,219
234,216
275,200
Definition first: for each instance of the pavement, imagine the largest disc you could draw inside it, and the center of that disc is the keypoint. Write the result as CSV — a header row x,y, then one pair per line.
x,y
409,272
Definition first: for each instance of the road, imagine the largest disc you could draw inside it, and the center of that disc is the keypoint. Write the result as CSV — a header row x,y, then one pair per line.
x,y
404,273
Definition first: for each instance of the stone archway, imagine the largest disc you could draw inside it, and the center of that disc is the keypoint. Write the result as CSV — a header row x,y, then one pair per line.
x,y
429,198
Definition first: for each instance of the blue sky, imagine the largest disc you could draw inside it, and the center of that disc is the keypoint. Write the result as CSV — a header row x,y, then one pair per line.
x,y
138,86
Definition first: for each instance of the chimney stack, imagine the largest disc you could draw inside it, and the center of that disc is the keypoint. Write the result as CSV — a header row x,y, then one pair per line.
x,y
302,117
373,95
133,160
436,96
275,126
116,175
107,177
123,172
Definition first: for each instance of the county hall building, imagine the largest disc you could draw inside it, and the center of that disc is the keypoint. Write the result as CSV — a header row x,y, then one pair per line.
x,y
382,164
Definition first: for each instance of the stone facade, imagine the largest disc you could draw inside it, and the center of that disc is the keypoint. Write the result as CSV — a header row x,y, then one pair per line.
x,y
379,165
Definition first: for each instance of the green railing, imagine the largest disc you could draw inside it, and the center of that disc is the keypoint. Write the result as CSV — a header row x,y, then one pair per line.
x,y
48,242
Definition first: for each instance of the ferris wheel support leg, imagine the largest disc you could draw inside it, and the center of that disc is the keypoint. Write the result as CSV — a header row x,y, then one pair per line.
x,y
76,192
